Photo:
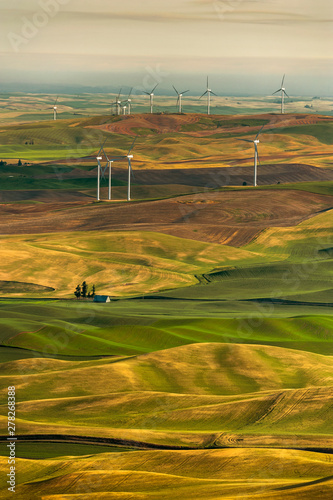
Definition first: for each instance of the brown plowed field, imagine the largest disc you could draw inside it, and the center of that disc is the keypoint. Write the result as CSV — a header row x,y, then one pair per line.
x,y
158,123
211,177
43,196
233,218
168,123
228,176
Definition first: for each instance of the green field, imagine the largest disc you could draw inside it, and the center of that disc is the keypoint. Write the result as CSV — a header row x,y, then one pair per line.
x,y
131,327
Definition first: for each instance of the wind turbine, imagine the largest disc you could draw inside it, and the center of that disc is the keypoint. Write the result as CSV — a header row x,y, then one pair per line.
x,y
256,155
128,102
209,92
55,108
283,93
130,171
101,171
179,100
117,103
151,95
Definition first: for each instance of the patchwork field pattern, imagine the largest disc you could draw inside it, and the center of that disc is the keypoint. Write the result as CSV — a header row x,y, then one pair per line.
x,y
210,373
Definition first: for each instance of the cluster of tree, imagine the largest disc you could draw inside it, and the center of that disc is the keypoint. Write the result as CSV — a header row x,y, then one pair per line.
x,y
3,163
82,291
29,142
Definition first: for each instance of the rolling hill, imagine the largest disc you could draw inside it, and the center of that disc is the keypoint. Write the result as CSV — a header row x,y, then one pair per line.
x,y
210,373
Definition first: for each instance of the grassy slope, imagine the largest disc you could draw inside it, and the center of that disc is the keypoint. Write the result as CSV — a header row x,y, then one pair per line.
x,y
145,261
183,474
250,390
289,260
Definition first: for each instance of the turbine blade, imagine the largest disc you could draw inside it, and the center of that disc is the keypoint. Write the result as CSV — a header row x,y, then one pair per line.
x,y
154,88
55,102
286,93
103,151
213,93
258,157
207,82
148,93
184,92
175,90
244,140
132,173
276,91
103,170
283,80
130,149
119,93
102,147
130,93
203,94
260,131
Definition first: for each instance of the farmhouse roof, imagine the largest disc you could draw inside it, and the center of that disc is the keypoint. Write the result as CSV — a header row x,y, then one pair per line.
x,y
101,298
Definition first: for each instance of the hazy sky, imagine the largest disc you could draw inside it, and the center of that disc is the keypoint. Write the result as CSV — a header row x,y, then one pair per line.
x,y
244,45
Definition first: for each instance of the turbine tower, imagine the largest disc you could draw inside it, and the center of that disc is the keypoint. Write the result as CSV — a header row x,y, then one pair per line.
x,y
283,93
209,92
256,155
130,171
101,171
117,103
55,108
179,100
151,95
128,101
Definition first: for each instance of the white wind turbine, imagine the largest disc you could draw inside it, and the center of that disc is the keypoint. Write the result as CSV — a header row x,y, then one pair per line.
x,y
101,171
117,103
55,108
130,171
283,93
179,100
151,95
256,155
209,92
128,101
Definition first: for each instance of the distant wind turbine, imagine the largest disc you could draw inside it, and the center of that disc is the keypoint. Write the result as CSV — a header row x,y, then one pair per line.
x,y
283,93
151,95
209,92
55,108
256,155
179,99
128,101
117,104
